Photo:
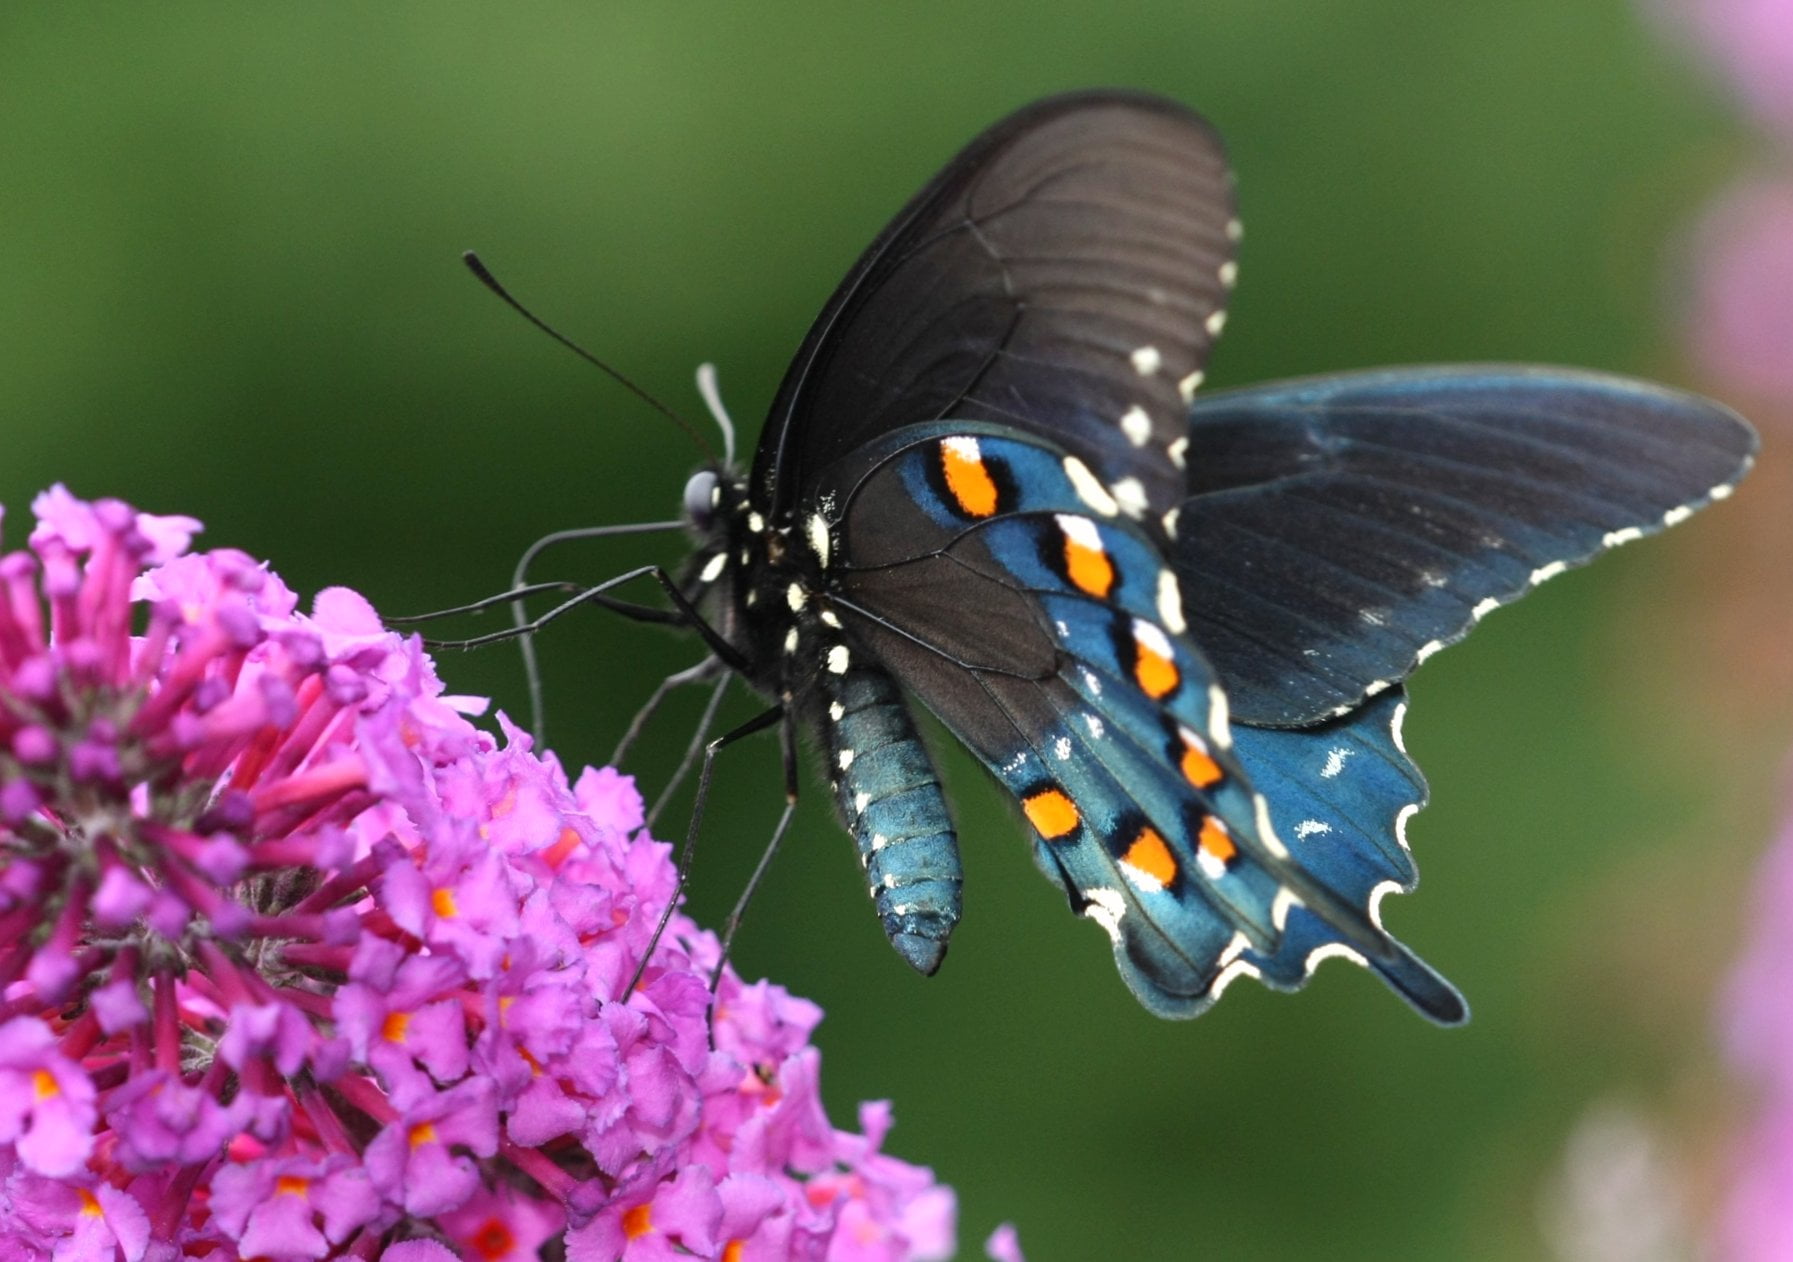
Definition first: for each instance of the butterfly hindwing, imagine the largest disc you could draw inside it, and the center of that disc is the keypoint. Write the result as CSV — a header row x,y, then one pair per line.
x,y
1341,529
1114,738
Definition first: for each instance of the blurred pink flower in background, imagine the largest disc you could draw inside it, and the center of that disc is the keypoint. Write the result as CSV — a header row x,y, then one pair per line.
x,y
1752,42
296,962
1757,1223
1739,329
1739,318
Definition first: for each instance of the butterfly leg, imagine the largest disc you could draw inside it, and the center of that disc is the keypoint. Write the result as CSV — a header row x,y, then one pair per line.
x,y
788,746
700,673
693,750
759,723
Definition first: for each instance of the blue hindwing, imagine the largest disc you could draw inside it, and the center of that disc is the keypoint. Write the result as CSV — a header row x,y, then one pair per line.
x,y
1098,714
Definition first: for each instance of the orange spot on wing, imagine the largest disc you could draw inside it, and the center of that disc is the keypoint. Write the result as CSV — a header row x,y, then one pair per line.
x,y
1051,813
1156,673
1216,841
1089,568
1150,855
970,483
1198,766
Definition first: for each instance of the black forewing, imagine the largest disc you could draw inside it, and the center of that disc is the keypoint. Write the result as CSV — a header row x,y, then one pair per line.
x,y
1067,267
1339,529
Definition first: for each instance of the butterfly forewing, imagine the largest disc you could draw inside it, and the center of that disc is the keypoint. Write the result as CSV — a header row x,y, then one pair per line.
x,y
1064,276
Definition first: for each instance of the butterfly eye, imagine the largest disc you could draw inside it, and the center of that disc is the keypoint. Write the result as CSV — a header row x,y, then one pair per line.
x,y
703,493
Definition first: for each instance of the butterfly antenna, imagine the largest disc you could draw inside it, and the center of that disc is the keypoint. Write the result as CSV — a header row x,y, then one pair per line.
x,y
491,282
706,386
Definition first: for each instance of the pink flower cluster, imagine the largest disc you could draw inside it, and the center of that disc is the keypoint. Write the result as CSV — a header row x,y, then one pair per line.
x,y
295,962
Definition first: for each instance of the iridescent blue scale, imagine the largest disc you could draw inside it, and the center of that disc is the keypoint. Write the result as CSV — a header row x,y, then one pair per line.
x,y
1173,627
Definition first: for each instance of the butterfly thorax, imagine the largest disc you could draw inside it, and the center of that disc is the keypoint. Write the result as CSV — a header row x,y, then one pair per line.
x,y
761,584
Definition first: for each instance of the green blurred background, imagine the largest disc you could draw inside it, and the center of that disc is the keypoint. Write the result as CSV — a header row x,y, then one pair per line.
x,y
228,244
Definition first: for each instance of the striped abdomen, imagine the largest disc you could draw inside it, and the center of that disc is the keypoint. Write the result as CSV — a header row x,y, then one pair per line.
x,y
891,800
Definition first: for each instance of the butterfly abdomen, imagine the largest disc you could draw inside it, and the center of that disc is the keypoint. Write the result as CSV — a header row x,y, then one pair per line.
x,y
891,800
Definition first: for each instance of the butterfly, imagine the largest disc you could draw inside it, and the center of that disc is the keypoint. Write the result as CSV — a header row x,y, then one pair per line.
x,y
1174,626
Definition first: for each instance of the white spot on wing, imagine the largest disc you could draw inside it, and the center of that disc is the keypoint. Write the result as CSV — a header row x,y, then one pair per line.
x,y
817,531
1094,724
1170,522
838,657
836,711
1238,968
1329,951
1311,828
1721,492
790,640
1190,384
1335,761
1397,726
1170,601
1212,866
1426,650
1218,731
1675,516
1260,810
1177,450
1088,489
795,597
1484,608
1142,880
1136,425
1130,494
1229,273
755,523
1382,890
861,801
846,759
1147,360
1080,531
1234,230
1215,322
1544,573
1061,748
1286,899
713,568
1613,538
1106,907
829,618
1153,639
963,446
1407,813
1234,949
